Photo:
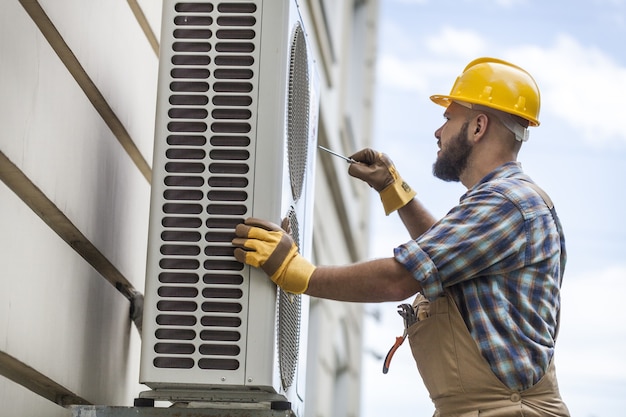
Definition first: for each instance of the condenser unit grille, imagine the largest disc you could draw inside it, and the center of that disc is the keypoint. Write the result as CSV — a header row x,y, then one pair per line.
x,y
206,189
298,111
288,322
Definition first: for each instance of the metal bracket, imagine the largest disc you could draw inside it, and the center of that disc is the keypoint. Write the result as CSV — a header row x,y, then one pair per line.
x,y
234,410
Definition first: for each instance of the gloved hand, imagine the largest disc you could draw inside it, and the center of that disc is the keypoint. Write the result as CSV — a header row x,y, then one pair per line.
x,y
265,245
379,172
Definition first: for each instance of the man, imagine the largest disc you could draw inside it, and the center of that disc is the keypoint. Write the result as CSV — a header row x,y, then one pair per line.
x,y
487,275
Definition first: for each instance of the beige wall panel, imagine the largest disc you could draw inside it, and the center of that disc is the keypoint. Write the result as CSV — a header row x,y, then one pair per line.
x,y
115,53
152,10
59,316
54,135
333,367
331,244
18,401
328,237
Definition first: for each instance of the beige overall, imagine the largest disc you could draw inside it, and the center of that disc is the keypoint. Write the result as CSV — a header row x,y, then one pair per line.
x,y
459,379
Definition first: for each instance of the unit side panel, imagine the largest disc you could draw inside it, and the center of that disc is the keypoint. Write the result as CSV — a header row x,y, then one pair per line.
x,y
196,292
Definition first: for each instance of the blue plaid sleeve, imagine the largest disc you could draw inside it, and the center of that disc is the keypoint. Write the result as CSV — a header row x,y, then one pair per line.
x,y
419,264
482,235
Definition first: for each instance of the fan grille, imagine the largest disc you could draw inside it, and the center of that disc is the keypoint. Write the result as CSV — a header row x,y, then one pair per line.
x,y
298,112
289,313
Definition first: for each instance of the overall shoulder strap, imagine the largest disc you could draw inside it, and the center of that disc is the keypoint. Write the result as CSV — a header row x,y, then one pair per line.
x,y
543,194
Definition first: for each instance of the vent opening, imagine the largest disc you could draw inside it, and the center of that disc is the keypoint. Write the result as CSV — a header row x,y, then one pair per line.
x,y
220,350
183,181
194,7
236,8
172,362
218,364
176,320
174,348
178,277
191,60
186,140
193,20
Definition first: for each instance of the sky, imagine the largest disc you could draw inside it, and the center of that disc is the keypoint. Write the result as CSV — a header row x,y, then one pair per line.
x,y
575,51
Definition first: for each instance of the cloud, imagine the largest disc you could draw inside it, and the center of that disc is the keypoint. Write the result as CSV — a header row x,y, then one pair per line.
x,y
501,3
615,3
593,336
442,56
454,42
590,349
580,84
398,72
410,2
509,3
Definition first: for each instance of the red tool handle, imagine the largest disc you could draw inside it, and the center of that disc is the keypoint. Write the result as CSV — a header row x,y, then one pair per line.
x,y
393,349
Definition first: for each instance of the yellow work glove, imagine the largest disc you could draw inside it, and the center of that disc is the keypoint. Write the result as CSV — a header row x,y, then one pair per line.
x,y
265,245
376,169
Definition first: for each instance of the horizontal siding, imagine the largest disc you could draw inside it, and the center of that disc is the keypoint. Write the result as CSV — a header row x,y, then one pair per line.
x,y
59,317
63,108
19,401
114,52
58,140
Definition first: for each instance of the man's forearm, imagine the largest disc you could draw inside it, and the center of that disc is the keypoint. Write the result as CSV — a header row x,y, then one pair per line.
x,y
416,218
372,281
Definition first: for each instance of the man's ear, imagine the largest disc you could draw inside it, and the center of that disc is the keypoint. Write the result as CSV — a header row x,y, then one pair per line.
x,y
481,121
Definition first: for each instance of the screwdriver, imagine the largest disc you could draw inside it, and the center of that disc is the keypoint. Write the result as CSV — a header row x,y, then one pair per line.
x,y
345,158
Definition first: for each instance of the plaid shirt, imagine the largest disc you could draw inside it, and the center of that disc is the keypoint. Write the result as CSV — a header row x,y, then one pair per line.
x,y
501,254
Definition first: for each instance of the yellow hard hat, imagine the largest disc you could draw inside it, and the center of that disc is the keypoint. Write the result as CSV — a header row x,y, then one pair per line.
x,y
496,84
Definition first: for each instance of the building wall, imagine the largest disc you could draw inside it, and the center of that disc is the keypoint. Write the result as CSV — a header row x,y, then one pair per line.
x,y
346,46
77,100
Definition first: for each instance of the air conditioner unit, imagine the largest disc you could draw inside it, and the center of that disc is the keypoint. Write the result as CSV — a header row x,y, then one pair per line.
x,y
235,136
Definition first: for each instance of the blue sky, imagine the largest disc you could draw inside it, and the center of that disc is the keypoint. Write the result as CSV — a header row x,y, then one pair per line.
x,y
575,50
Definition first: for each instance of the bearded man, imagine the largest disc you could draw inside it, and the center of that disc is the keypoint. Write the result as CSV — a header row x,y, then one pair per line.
x,y
486,277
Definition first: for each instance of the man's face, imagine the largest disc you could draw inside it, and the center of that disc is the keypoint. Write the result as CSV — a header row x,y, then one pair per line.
x,y
455,149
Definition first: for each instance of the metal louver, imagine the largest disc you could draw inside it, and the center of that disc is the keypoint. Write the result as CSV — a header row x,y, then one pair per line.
x,y
233,135
205,187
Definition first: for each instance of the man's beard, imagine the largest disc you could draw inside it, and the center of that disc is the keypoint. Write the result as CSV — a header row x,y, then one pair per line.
x,y
452,161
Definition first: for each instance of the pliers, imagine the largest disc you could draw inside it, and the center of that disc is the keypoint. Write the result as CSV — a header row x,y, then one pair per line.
x,y
408,314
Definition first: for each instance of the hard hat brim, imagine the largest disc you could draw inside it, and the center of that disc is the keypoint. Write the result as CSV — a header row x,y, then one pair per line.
x,y
445,101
